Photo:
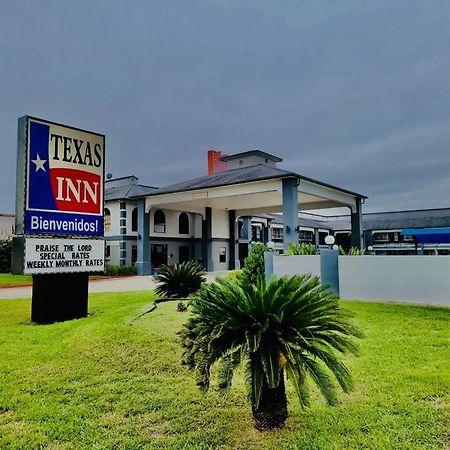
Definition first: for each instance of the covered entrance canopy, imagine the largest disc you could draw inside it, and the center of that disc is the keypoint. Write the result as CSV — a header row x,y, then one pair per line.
x,y
249,191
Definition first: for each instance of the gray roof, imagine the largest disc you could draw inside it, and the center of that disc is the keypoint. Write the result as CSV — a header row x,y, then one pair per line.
x,y
257,172
395,220
251,153
126,192
425,218
302,221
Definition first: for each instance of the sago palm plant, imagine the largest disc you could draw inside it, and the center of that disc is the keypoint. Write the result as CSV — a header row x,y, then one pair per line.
x,y
179,280
291,327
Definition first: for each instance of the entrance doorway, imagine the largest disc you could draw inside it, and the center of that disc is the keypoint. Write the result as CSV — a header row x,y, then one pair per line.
x,y
159,255
183,253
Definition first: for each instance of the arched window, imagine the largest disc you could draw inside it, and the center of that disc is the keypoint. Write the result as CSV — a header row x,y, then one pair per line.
x,y
107,219
159,225
183,223
134,219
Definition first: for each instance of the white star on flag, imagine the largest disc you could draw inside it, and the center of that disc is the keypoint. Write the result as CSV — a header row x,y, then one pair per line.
x,y
39,163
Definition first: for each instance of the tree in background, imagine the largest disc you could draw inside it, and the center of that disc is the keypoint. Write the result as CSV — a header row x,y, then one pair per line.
x,y
5,256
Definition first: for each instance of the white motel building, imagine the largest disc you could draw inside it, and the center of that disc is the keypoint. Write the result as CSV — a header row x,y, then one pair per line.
x,y
214,219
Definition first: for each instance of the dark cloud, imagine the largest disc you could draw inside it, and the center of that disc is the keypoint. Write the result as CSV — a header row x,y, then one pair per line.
x,y
354,93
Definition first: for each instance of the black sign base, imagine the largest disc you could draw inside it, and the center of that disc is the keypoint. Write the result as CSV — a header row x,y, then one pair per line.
x,y
59,297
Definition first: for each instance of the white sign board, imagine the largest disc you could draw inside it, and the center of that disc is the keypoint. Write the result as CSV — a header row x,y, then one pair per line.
x,y
44,255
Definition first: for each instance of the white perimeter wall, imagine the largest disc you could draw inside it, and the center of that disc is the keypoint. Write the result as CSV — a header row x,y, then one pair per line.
x,y
412,279
296,265
7,223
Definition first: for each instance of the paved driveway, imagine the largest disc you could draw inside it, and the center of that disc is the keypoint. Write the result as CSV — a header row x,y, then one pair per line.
x,y
135,283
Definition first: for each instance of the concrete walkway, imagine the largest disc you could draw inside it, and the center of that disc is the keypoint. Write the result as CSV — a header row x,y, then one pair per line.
x,y
136,283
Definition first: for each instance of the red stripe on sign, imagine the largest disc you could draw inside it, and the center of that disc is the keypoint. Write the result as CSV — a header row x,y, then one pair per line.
x,y
76,190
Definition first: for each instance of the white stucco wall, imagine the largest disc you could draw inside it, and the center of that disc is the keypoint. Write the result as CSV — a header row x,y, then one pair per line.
x,y
197,221
220,226
113,207
412,279
217,265
129,209
172,225
296,265
171,237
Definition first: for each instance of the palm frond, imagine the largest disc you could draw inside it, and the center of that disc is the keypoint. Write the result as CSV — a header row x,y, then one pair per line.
x,y
228,363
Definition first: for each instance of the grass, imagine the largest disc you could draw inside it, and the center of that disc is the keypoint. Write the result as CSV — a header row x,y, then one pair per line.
x,y
101,383
7,279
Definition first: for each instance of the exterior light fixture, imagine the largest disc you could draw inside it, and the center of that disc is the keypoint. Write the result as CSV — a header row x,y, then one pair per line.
x,y
329,240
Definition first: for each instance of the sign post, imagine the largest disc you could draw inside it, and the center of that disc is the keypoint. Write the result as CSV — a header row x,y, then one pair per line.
x,y
59,215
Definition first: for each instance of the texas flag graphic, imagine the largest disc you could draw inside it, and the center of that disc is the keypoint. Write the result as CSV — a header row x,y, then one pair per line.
x,y
65,169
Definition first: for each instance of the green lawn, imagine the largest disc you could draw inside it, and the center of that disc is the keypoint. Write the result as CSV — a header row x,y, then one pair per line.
x,y
101,383
6,279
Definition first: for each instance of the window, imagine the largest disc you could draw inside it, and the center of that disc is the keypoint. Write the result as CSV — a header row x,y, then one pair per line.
x,y
256,232
123,253
306,236
107,218
159,225
133,254
123,218
380,237
183,223
277,234
240,226
134,220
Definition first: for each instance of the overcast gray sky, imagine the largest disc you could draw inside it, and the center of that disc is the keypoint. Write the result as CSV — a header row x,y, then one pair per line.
x,y
355,93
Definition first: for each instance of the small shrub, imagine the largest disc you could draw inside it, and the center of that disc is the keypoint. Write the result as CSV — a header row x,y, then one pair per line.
x,y
127,270
301,249
114,270
254,263
179,280
354,251
234,275
5,256
341,250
